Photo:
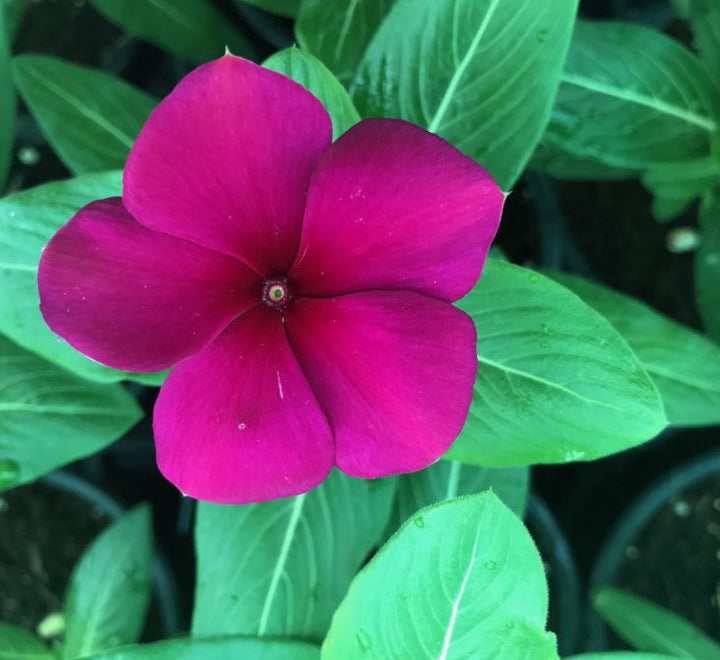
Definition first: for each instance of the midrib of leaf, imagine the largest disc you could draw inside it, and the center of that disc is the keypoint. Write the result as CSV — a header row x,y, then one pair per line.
x,y
460,71
22,267
456,604
345,28
59,410
281,561
706,123
83,109
656,635
547,383
453,480
659,371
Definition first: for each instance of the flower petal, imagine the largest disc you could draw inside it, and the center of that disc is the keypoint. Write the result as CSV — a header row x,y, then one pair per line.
x,y
133,298
392,206
225,161
393,372
238,423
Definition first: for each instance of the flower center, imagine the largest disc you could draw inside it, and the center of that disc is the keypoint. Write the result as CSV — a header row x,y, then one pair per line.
x,y
276,293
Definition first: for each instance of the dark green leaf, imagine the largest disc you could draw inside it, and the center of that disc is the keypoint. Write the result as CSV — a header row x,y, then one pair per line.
x,y
110,588
19,644
192,29
622,655
631,99
281,568
288,8
28,220
704,17
90,118
7,102
445,480
49,418
481,73
228,648
312,74
338,31
14,11
684,365
556,381
648,627
707,267
461,579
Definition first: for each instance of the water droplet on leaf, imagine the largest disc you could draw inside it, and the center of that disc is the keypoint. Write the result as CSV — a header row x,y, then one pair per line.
x,y
419,522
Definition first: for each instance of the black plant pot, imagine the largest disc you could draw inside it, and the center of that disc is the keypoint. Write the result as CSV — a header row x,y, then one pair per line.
x,y
47,526
565,618
666,548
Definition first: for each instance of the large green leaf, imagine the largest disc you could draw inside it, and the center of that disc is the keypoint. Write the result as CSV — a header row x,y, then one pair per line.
x,y
704,17
90,118
7,103
49,418
461,579
192,29
19,644
684,365
481,73
287,8
446,480
622,655
14,11
707,267
228,648
109,589
338,31
648,627
281,568
312,74
28,220
556,382
631,99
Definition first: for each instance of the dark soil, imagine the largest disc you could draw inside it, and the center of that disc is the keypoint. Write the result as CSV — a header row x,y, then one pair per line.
x,y
44,531
675,561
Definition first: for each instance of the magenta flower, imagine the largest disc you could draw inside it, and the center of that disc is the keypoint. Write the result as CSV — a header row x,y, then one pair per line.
x,y
300,289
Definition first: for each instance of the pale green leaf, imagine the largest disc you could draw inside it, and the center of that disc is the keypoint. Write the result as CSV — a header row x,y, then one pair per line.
x,y
481,73
556,382
631,99
90,118
49,417
19,644
192,29
110,588
684,365
461,579
281,568
312,74
338,31
227,648
649,627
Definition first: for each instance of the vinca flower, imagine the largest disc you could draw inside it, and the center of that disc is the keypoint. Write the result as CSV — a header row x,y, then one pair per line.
x,y
301,290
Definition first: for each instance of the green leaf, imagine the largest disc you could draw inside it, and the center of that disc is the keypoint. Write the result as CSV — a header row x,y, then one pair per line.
x,y
462,579
707,267
481,73
338,31
90,118
110,587
281,568
49,418
631,99
28,221
704,17
556,382
19,644
191,29
648,627
446,480
228,648
7,102
622,655
14,11
684,365
287,8
312,74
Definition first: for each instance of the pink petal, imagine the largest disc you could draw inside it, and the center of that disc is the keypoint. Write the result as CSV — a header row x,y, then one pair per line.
x,y
226,160
238,422
133,298
393,372
392,206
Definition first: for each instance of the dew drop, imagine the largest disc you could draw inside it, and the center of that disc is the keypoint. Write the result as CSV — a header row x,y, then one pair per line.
x,y
242,426
419,522
9,473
